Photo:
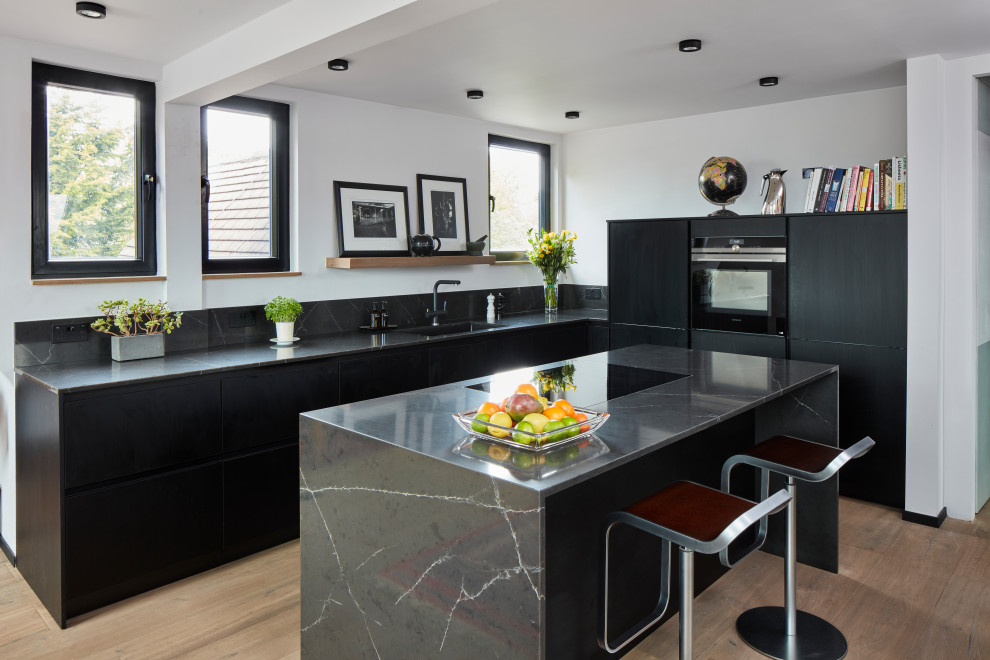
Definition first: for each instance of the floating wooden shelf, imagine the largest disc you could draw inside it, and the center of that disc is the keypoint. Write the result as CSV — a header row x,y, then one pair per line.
x,y
406,262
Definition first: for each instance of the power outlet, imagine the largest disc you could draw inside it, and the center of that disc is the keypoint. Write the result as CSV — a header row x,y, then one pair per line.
x,y
593,293
64,333
244,319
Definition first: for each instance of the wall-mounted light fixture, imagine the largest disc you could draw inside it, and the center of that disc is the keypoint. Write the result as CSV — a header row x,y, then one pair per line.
x,y
689,45
572,114
338,65
91,10
475,94
769,81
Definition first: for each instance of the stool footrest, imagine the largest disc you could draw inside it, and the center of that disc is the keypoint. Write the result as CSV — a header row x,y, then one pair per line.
x,y
764,629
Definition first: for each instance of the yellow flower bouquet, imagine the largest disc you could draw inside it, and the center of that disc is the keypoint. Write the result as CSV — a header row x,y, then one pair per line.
x,y
552,253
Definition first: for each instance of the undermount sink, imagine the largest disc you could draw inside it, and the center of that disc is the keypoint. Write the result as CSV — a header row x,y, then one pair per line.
x,y
450,328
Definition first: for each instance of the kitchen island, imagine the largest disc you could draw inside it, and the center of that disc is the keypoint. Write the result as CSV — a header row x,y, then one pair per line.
x,y
419,542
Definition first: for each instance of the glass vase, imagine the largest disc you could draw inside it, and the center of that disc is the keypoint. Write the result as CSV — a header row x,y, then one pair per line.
x,y
550,297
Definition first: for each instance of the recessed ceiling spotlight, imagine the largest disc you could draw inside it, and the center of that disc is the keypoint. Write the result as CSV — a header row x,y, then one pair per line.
x,y
572,114
338,65
769,81
91,10
689,45
475,94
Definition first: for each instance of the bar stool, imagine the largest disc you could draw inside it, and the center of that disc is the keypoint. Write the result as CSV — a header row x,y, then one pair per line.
x,y
697,519
786,632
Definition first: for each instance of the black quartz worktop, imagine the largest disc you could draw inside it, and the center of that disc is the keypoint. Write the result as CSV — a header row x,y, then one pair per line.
x,y
698,390
80,376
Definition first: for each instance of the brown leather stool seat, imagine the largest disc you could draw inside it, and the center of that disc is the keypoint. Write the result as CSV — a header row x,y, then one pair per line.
x,y
697,519
786,632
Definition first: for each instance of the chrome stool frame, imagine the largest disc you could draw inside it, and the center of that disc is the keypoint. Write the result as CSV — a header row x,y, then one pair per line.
x,y
786,632
687,545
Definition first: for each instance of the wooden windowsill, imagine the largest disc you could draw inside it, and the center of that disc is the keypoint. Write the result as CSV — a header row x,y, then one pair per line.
x,y
100,280
238,276
512,263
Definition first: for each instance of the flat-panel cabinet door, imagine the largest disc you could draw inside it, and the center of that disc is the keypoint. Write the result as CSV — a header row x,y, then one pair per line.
x,y
263,407
738,342
387,372
123,540
561,343
621,336
508,351
260,501
872,391
119,435
449,364
648,272
847,279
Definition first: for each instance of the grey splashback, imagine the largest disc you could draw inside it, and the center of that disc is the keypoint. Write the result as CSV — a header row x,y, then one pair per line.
x,y
218,326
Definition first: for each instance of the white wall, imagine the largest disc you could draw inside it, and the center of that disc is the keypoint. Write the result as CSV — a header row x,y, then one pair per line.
x,y
650,170
333,138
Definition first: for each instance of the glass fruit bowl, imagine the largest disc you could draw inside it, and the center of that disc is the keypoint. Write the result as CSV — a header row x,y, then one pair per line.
x,y
525,464
528,440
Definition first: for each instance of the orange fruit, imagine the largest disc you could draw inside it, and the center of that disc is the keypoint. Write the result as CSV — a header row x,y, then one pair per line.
x,y
489,408
565,406
581,417
526,388
554,413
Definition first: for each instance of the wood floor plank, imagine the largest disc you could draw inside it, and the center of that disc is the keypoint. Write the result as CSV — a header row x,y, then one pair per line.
x,y
903,591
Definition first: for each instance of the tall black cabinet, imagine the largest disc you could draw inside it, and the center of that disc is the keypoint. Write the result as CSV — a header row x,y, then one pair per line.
x,y
648,282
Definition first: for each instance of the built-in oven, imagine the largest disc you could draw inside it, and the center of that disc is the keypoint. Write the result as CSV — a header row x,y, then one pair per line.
x,y
739,284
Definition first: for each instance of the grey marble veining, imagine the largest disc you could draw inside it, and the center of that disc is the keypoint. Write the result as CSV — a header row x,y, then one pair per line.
x,y
395,543
718,386
101,371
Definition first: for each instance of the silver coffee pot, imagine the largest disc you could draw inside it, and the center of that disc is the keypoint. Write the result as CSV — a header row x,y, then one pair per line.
x,y
773,184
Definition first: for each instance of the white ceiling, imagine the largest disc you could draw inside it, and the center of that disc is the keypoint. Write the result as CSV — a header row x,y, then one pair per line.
x,y
616,62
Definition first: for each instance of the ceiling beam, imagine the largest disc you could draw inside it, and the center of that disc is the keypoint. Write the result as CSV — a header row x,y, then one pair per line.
x,y
294,37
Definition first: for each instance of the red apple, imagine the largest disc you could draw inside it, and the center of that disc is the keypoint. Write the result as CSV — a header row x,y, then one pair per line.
x,y
519,405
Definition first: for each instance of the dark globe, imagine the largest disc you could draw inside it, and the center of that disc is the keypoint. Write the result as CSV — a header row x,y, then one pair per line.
x,y
721,181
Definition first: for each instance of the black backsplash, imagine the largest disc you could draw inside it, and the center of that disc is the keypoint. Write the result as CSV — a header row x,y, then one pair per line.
x,y
212,327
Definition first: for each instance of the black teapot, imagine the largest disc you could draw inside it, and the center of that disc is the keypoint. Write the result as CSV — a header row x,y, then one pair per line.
x,y
421,245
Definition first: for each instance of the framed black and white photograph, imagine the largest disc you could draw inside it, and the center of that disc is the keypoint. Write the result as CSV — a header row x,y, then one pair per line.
x,y
372,220
443,211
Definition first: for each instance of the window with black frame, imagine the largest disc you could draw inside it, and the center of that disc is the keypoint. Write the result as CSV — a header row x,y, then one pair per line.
x,y
245,186
92,174
519,194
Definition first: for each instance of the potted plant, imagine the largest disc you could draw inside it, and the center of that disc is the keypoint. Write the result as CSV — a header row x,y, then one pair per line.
x,y
136,329
284,312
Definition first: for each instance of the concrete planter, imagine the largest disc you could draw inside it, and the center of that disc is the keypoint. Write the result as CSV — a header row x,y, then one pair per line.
x,y
137,347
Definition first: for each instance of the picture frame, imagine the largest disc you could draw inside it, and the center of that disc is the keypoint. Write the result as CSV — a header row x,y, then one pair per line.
x,y
443,211
372,219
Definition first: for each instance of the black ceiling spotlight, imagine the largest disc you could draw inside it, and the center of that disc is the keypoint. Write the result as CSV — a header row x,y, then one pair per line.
x,y
769,81
689,45
475,94
91,10
572,114
338,65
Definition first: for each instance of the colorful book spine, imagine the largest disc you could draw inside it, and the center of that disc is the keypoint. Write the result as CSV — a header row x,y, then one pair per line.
x,y
853,189
844,195
835,190
889,184
824,191
870,190
875,188
899,183
864,188
816,181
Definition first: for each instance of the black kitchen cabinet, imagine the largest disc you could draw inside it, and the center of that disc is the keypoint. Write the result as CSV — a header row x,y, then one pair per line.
x,y
458,361
738,342
847,278
560,343
508,350
262,407
260,500
597,338
621,336
648,272
123,540
383,373
125,433
872,391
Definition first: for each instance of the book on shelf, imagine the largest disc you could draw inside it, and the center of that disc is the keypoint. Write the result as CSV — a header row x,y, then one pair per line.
x,y
880,187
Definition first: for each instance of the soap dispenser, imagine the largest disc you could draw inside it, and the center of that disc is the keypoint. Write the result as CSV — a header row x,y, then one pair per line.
x,y
490,316
384,317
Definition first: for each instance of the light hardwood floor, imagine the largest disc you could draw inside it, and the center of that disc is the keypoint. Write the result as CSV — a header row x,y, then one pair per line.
x,y
903,591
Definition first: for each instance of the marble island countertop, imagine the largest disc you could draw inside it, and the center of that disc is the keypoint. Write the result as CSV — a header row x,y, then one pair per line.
x,y
80,376
655,396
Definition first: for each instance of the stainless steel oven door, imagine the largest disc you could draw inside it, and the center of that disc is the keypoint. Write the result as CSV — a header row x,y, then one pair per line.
x,y
739,291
